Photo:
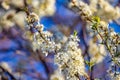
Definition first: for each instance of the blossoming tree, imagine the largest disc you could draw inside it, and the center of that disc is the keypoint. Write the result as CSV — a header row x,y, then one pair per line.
x,y
72,61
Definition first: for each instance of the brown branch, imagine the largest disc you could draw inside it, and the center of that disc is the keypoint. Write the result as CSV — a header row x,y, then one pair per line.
x,y
11,76
42,59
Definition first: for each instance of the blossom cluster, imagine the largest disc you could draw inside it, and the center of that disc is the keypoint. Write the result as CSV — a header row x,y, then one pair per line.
x,y
12,10
97,52
99,28
70,60
68,56
82,8
105,10
101,8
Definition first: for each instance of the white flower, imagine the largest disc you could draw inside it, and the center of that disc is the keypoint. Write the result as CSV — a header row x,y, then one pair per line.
x,y
57,75
6,66
117,77
69,59
97,52
43,7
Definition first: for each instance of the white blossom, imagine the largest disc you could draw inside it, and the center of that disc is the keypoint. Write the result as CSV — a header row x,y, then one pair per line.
x,y
69,59
57,75
97,52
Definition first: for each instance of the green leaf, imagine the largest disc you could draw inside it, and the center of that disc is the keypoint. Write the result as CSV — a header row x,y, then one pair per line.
x,y
90,64
96,22
94,26
87,62
75,33
96,19
117,54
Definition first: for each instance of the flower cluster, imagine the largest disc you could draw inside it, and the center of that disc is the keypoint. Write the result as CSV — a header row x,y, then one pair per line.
x,y
42,7
13,10
10,18
83,9
57,75
70,60
97,52
109,37
106,36
103,9
41,39
100,8
114,72
68,56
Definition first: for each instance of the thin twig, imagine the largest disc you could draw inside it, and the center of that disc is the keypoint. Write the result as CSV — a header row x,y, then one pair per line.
x,y
11,76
